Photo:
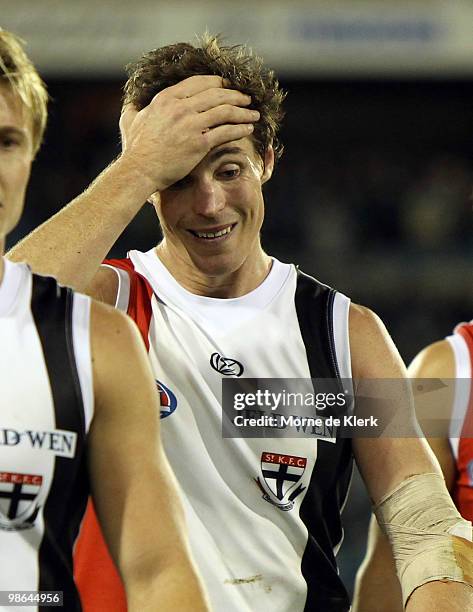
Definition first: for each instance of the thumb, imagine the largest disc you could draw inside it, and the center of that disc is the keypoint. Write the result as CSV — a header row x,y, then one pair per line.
x,y
127,118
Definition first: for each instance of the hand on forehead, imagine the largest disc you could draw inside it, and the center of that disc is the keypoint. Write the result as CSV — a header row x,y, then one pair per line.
x,y
172,134
204,92
184,89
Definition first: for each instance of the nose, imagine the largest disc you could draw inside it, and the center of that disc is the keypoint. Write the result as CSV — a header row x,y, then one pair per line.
x,y
208,198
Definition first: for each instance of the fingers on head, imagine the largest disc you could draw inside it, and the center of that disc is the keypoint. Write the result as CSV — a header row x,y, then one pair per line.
x,y
227,113
195,84
227,133
217,96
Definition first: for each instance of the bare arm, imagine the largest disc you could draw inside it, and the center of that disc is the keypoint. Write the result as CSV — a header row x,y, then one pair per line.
x,y
376,579
375,357
73,243
163,143
134,491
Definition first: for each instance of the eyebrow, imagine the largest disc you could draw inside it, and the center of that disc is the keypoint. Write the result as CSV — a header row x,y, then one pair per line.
x,y
225,151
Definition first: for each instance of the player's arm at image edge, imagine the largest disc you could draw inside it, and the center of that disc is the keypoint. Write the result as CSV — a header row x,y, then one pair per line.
x,y
401,459
134,491
376,579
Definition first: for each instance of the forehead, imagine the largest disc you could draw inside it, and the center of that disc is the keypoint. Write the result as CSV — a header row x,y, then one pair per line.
x,y
13,112
243,148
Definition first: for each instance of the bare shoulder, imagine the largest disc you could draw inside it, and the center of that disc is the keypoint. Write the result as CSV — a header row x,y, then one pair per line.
x,y
434,361
118,353
434,405
365,325
361,315
111,326
373,353
104,286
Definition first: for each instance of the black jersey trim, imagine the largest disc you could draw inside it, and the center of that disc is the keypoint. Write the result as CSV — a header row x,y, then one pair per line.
x,y
312,304
331,337
321,507
51,306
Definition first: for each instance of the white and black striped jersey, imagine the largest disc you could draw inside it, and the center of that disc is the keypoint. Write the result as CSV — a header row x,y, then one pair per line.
x,y
46,406
263,513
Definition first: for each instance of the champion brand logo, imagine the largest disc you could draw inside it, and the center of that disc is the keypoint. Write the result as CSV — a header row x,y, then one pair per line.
x,y
226,366
168,400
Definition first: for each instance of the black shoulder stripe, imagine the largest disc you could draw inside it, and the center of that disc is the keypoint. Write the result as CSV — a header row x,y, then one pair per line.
x,y
314,304
51,306
320,509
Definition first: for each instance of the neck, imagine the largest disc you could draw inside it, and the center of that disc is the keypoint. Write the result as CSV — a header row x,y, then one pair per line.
x,y
249,275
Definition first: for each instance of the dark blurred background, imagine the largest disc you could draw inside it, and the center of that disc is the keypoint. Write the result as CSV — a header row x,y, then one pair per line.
x,y
373,192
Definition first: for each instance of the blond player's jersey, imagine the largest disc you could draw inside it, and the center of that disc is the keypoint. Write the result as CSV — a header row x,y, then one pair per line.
x,y
263,513
46,406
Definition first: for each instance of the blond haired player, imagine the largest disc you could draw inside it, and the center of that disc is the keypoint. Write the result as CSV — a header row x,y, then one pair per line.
x,y
77,402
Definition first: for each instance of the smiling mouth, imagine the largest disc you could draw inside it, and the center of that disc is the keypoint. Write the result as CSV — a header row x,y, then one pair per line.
x,y
214,234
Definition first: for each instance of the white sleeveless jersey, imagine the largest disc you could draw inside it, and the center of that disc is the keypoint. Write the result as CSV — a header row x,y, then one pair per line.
x,y
46,406
263,514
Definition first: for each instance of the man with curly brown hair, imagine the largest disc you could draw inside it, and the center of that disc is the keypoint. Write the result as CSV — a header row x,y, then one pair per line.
x,y
199,129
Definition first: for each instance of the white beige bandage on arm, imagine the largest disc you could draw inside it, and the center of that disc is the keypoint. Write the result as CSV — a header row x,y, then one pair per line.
x,y
429,538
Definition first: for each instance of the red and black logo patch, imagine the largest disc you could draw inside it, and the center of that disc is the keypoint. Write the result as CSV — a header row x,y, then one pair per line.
x,y
281,475
19,500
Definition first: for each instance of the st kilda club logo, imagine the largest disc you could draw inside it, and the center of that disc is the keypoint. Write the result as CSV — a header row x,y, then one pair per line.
x,y
19,503
281,475
225,365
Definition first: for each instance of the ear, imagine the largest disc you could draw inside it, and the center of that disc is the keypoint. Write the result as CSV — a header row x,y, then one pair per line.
x,y
268,164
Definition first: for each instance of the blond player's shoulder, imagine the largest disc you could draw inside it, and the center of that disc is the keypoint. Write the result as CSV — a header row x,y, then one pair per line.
x,y
121,368
115,339
107,321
